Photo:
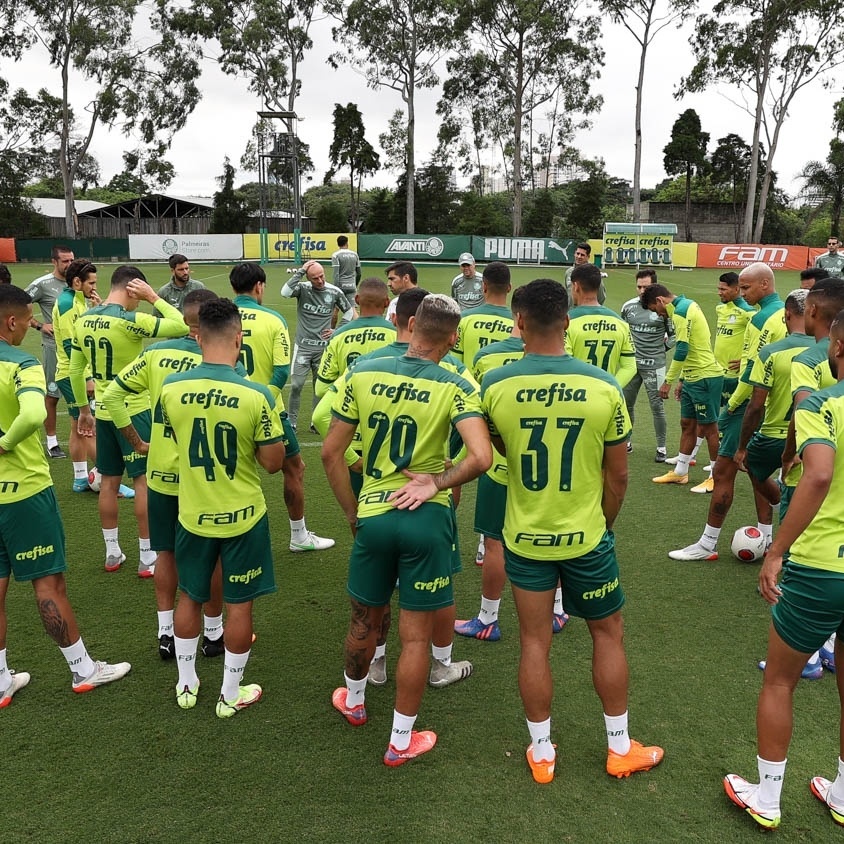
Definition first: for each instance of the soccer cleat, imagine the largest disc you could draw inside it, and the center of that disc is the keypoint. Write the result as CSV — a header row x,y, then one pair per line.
x,y
146,569
420,742
444,675
481,552
377,671
313,429
671,477
821,788
56,452
313,543
114,561
672,461
629,451
81,485
166,647
558,622
542,769
659,457
186,698
827,659
695,551
103,673
811,670
743,793
19,680
124,491
355,715
638,758
214,647
474,628
246,696
704,487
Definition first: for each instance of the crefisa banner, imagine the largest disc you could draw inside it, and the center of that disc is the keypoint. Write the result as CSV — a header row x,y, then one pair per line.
x,y
626,249
195,247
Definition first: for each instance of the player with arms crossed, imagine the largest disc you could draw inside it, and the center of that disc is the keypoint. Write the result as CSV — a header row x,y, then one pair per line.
x,y
563,426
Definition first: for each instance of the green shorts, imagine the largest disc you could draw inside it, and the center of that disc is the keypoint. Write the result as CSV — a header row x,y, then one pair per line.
x,y
490,503
786,492
247,562
700,400
456,562
764,456
727,390
288,436
729,430
591,588
114,454
67,392
32,537
48,356
810,608
414,546
163,513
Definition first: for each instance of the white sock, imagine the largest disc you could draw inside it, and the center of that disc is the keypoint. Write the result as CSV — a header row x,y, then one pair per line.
x,y
618,740
233,673
355,691
78,661
698,443
558,601
711,467
814,659
52,442
661,449
213,626
489,610
298,531
829,644
836,793
380,650
165,622
709,537
767,531
148,556
540,738
682,465
5,676
402,728
112,545
80,470
442,654
770,783
186,661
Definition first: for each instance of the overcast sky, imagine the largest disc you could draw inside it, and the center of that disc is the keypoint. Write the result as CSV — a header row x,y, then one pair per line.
x,y
222,122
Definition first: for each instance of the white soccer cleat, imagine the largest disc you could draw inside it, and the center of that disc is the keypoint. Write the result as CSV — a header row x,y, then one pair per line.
x,y
103,673
744,794
692,552
19,681
312,543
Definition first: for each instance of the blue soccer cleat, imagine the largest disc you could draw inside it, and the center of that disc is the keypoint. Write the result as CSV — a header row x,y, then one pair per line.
x,y
828,659
474,628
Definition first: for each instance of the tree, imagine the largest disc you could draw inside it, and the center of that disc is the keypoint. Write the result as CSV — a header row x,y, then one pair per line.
x,y
394,143
396,44
231,211
331,217
644,20
585,201
685,154
729,166
770,50
350,149
539,220
823,183
146,90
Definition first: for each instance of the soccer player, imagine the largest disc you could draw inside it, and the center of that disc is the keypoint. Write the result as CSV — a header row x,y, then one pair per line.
x,y
5,275
345,265
316,302
467,289
700,379
596,334
490,321
403,530
811,276
44,292
766,326
808,601
106,338
265,353
146,374
547,404
582,253
369,331
652,336
31,531
224,427
180,283
401,276
832,261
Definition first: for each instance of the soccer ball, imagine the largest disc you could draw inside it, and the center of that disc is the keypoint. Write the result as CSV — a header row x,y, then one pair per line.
x,y
95,479
748,544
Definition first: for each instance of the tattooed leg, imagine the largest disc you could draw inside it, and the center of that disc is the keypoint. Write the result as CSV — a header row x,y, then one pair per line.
x,y
55,610
364,628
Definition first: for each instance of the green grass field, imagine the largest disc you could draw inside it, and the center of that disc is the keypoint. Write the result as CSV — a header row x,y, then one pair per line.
x,y
125,764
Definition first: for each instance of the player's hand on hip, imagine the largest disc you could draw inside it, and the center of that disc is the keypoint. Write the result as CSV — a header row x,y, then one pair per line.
x,y
419,489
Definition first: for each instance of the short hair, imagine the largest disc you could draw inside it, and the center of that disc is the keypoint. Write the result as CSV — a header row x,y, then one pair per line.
x,y
403,268
437,317
585,247
652,293
58,250
219,316
817,273
81,268
515,300
828,297
342,241
730,279
796,301
245,276
5,275
13,299
543,304
373,290
125,273
197,298
588,276
497,275
176,259
408,303
647,272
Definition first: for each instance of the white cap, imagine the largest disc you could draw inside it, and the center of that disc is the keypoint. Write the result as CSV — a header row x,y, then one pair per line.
x,y
466,258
